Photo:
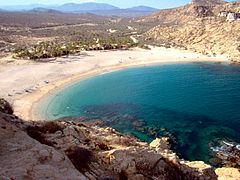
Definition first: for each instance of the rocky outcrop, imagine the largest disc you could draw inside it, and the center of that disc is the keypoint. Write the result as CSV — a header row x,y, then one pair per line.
x,y
77,150
22,157
227,154
227,173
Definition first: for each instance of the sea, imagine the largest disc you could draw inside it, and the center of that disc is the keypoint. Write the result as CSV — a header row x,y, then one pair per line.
x,y
196,105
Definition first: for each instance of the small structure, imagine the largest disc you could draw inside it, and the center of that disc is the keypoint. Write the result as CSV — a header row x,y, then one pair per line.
x,y
231,17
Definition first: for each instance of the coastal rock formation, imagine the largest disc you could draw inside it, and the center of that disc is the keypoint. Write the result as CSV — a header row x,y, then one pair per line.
x,y
22,157
77,150
227,173
96,153
227,154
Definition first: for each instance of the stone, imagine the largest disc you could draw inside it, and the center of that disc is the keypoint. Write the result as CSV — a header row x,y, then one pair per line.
x,y
31,160
227,173
160,143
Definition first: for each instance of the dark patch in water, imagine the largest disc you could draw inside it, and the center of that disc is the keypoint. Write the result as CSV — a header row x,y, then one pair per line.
x,y
183,128
196,104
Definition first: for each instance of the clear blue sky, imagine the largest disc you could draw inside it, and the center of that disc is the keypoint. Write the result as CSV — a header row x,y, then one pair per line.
x,y
120,3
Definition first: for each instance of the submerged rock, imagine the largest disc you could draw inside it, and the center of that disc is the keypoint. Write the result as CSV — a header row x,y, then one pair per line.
x,y
228,154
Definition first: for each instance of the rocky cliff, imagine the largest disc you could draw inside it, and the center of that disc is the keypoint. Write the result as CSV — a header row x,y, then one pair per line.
x,y
76,150
197,28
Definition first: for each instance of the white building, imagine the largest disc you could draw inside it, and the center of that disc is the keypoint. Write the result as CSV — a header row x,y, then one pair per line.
x,y
231,17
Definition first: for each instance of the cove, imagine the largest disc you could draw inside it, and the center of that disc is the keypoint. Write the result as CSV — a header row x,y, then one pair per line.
x,y
196,104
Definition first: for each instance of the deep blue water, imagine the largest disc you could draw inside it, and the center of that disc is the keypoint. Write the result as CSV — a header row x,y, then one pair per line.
x,y
196,104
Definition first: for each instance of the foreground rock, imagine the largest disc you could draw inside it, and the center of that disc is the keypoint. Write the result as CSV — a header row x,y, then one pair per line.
x,y
95,153
228,173
22,157
76,150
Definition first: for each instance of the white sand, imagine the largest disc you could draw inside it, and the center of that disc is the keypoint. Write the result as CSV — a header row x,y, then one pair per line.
x,y
25,84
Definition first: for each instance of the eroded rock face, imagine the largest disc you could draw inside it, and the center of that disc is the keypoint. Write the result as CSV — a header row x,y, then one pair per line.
x,y
76,150
109,154
22,157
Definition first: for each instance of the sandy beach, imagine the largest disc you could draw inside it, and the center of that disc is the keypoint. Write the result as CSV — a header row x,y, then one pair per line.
x,y
25,84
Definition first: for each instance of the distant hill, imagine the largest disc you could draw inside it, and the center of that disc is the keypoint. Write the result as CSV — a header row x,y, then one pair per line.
x,y
25,7
94,8
106,9
44,10
142,8
85,7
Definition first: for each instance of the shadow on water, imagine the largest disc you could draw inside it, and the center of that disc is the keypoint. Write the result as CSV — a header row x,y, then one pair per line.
x,y
192,135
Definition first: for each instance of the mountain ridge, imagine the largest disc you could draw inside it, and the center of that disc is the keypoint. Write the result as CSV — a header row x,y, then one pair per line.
x,y
75,7
207,2
94,8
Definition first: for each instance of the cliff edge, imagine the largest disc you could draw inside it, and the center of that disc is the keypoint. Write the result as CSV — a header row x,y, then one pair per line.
x,y
76,150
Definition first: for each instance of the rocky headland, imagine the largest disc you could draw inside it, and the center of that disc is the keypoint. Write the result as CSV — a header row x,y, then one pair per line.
x,y
78,150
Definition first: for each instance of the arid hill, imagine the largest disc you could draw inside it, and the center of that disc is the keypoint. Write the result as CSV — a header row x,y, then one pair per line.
x,y
197,28
207,2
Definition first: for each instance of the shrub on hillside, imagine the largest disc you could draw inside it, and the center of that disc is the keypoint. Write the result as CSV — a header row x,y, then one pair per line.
x,y
5,107
80,157
50,127
33,132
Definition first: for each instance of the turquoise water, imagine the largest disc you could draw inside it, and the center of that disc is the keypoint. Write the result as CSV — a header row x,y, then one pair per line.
x,y
196,104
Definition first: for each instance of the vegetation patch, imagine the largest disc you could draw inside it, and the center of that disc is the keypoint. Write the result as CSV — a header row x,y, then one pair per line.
x,y
51,49
50,127
38,132
80,157
5,107
35,133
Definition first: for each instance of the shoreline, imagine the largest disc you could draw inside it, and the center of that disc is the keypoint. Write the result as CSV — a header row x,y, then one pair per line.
x,y
36,116
24,104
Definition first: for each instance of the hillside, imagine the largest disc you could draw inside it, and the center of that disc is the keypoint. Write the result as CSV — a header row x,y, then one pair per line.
x,y
197,28
208,2
74,149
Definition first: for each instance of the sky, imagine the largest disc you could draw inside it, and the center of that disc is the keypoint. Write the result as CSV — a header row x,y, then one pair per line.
x,y
119,3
